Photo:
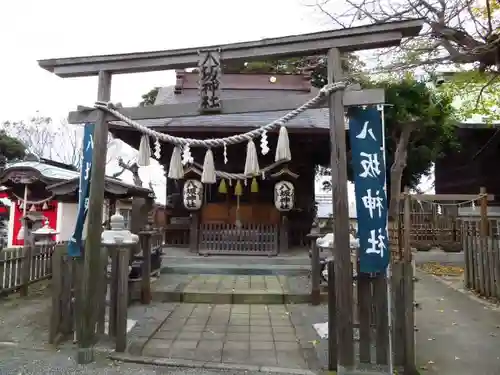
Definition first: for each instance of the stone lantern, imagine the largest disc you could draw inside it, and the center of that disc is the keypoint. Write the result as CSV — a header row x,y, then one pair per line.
x,y
44,235
118,235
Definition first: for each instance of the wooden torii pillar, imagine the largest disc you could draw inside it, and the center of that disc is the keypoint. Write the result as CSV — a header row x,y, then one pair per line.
x,y
332,43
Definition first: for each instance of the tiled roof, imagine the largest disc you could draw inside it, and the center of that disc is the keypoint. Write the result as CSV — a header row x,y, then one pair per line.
x,y
311,119
48,171
61,174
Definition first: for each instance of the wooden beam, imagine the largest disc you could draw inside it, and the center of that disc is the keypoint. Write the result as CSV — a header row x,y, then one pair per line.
x,y
229,106
349,39
447,197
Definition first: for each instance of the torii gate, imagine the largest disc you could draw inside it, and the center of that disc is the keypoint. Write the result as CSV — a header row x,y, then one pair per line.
x,y
332,43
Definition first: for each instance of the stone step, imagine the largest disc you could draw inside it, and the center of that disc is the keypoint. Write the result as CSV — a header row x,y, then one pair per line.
x,y
235,269
233,298
231,288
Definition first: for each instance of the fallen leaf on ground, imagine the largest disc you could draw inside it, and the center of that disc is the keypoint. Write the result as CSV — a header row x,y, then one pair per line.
x,y
438,269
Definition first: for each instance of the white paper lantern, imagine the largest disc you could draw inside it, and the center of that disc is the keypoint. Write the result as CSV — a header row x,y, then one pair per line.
x,y
192,194
284,195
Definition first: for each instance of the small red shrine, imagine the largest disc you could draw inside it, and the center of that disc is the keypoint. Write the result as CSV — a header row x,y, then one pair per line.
x,y
49,190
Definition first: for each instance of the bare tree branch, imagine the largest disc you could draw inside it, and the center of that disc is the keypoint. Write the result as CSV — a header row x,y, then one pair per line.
x,y
455,32
132,167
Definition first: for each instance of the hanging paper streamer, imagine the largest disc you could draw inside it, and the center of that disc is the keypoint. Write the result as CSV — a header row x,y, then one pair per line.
x,y
45,206
225,154
208,174
144,152
264,145
157,151
176,170
254,187
32,208
223,187
283,146
252,160
187,158
238,189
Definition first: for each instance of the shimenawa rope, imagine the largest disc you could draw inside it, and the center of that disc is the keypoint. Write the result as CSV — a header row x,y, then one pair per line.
x,y
235,139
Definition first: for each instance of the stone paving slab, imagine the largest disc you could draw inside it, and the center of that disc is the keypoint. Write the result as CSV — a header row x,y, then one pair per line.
x,y
260,335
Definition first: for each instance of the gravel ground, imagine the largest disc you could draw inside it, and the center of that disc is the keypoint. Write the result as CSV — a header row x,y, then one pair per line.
x,y
14,361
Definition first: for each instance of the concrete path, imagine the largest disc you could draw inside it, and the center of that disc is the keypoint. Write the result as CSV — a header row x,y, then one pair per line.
x,y
457,335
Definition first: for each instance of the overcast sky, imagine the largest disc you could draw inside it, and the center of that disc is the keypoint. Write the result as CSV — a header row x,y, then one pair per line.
x,y
31,30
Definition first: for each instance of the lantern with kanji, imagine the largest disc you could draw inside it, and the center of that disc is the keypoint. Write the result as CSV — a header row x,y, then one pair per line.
x,y
192,194
284,195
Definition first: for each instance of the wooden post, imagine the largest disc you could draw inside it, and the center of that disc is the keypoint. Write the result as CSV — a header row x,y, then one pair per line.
x,y
484,243
315,270
113,291
408,291
407,255
56,289
484,212
342,252
102,290
332,319
145,241
92,255
283,233
122,300
194,232
27,258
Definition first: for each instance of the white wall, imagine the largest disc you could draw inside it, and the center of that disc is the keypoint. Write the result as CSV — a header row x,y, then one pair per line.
x,y
66,218
10,235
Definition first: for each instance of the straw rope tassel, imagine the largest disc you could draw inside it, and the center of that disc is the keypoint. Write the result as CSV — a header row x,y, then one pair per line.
x,y
208,175
252,160
223,187
254,186
238,189
283,146
176,170
144,152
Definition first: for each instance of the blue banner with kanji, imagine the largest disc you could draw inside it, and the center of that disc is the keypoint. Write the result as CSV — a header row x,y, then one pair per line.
x,y
368,165
75,242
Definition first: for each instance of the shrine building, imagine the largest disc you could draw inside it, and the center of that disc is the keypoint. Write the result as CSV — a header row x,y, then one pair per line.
x,y
267,214
48,190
